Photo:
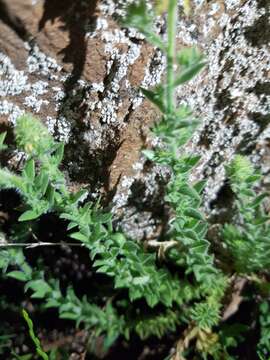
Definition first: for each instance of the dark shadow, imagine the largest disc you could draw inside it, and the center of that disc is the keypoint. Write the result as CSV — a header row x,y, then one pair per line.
x,y
77,16
12,21
262,88
258,34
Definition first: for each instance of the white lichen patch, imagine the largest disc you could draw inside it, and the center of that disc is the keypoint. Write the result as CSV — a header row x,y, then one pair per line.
x,y
60,128
143,190
100,25
40,63
20,92
122,60
12,81
153,73
13,111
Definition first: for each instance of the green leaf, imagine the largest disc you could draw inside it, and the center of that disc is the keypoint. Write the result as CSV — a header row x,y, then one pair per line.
x,y
18,275
193,160
199,186
2,139
131,246
79,236
72,225
139,17
156,97
39,287
23,357
258,200
188,57
191,234
59,153
79,196
29,215
189,191
119,239
29,170
253,178
154,39
189,73
194,214
68,315
50,195
44,183
261,220
141,280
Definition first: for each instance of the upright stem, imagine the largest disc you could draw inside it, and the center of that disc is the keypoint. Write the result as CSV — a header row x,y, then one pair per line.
x,y
172,19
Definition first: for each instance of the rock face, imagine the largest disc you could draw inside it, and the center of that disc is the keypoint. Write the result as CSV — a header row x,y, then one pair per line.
x,y
232,95
72,65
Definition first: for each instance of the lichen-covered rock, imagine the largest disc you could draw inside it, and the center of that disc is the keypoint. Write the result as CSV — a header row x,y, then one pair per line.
x,y
79,72
72,64
231,96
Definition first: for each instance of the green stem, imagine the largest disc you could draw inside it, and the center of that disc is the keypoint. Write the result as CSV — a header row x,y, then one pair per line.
x,y
172,19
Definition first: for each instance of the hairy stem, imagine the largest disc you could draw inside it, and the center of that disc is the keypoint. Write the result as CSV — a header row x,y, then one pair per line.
x,y
172,19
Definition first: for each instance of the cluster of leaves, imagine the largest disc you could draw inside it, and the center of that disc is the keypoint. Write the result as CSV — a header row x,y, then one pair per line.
x,y
45,191
250,234
264,343
42,186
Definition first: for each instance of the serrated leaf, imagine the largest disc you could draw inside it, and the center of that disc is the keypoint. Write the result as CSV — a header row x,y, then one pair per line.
x,y
119,239
151,300
104,218
247,192
66,216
